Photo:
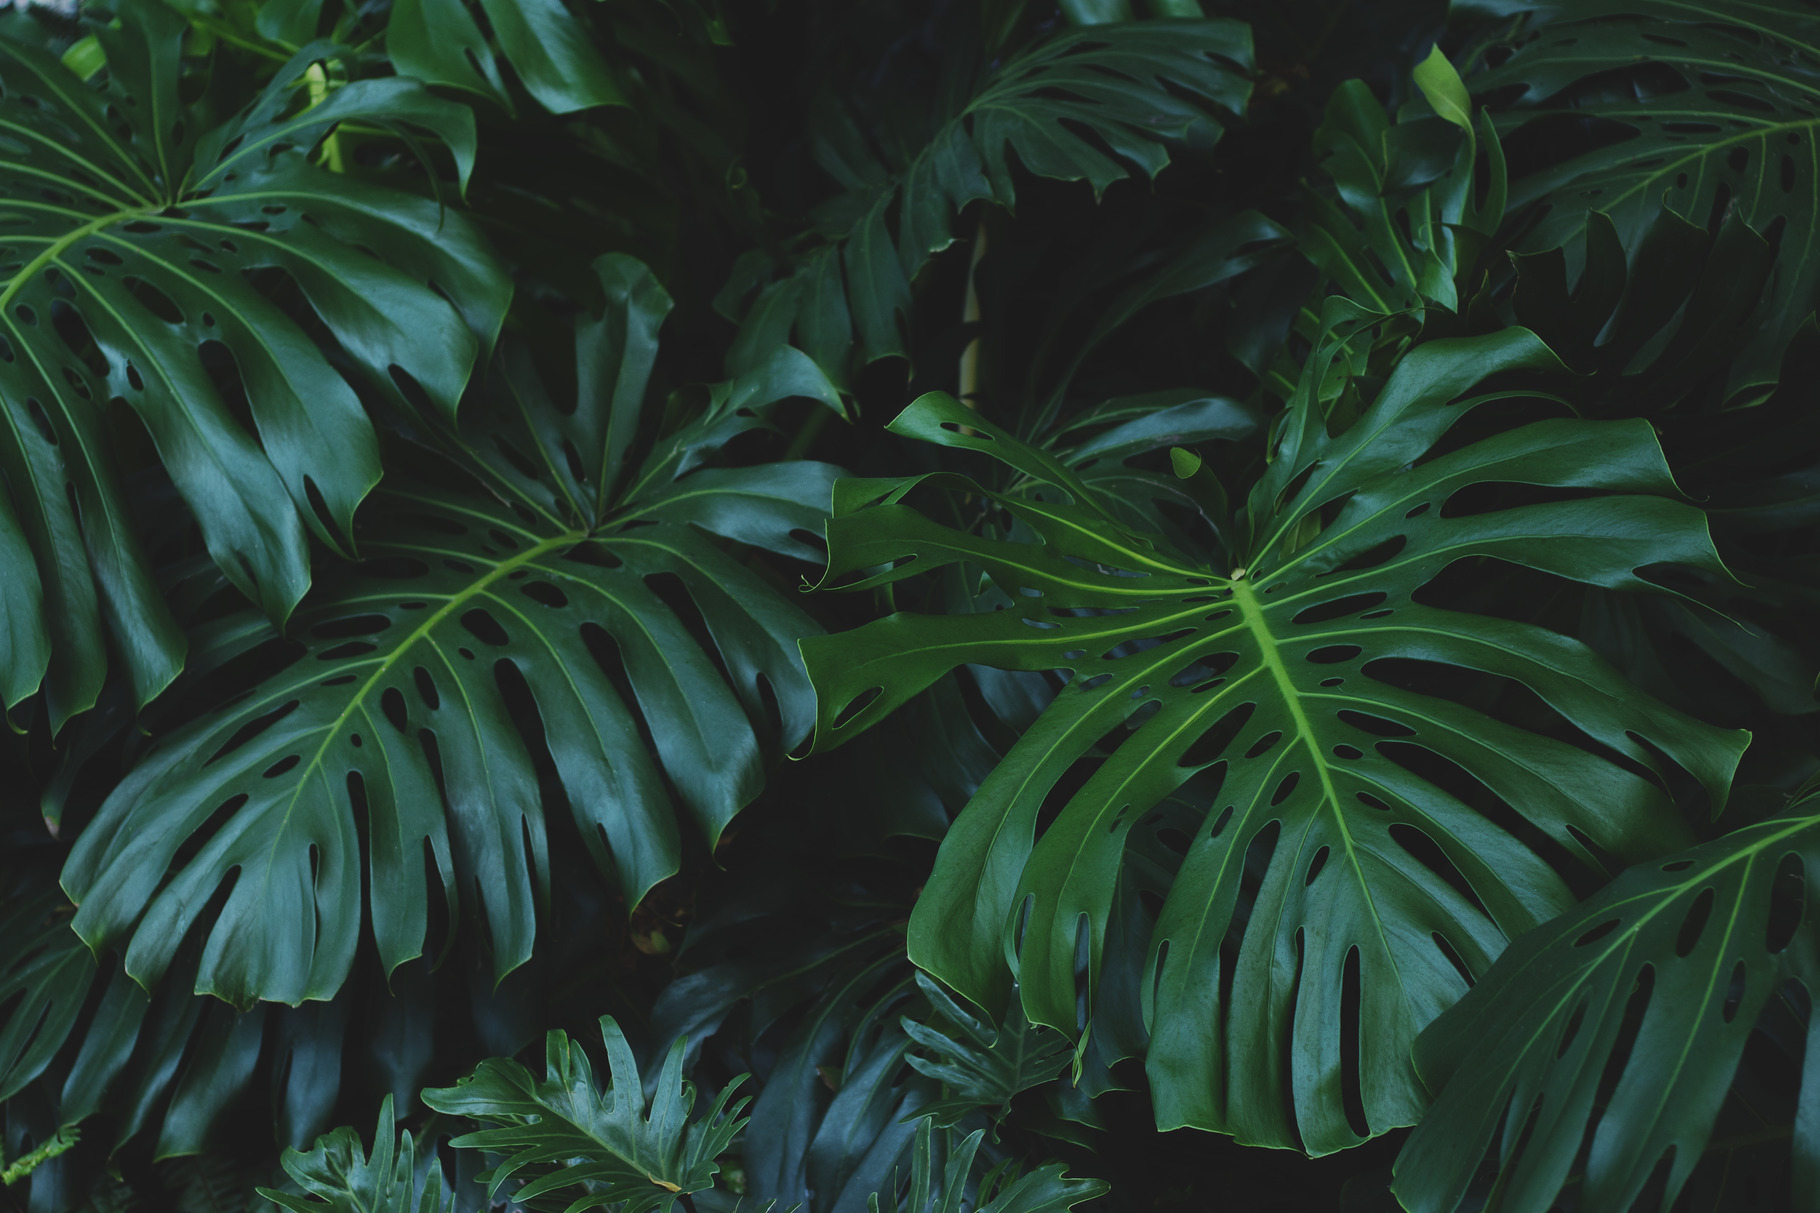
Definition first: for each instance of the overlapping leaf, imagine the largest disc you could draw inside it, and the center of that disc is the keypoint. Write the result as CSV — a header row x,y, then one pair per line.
x,y
1667,968
1706,107
1275,672
44,976
1089,105
564,1133
551,52
143,254
609,635
982,1067
1408,228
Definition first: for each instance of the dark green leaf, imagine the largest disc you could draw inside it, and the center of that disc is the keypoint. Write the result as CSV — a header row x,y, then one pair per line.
x,y
138,235
1091,105
1261,666
1730,131
1671,964
648,658
563,1132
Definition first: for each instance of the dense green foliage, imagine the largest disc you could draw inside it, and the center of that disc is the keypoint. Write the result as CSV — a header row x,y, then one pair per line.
x,y
957,606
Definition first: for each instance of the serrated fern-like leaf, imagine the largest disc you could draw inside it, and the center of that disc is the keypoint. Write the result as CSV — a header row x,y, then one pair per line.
x,y
564,1133
982,1067
342,1177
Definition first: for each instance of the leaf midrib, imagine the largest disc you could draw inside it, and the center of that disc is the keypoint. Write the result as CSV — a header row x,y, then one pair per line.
x,y
1253,614
416,635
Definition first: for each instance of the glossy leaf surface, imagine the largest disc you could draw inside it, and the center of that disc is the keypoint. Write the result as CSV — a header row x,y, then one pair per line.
x,y
1663,975
346,1178
617,637
564,1132
144,256
1264,667
1705,107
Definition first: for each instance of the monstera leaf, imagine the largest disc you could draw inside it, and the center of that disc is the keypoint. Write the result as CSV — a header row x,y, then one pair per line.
x,y
347,1179
1701,106
439,42
1396,829
563,1132
1060,108
1668,967
45,973
143,257
593,626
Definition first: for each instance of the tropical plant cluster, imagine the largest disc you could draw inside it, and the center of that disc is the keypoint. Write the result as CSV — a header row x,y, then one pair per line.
x,y
910,605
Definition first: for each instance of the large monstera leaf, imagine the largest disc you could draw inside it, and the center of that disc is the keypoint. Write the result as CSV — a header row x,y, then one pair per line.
x,y
1707,107
1282,668
1668,968
145,260
615,643
1090,105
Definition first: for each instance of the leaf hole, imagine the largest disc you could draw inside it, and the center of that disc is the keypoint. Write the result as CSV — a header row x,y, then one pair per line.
x,y
1284,788
1315,865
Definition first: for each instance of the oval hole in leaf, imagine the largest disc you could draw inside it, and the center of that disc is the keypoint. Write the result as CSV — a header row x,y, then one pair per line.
x,y
1597,933
1333,654
1377,726
1351,1087
391,702
253,728
281,766
426,688
1453,957
856,705
1212,743
544,592
352,625
1427,852
485,628
1573,1029
1315,865
1285,788
1321,612
154,300
1263,744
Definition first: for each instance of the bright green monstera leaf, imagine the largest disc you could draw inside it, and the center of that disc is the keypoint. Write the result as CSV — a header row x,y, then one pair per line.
x,y
1670,964
565,1133
146,258
1356,794
1090,105
552,53
1707,107
598,623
